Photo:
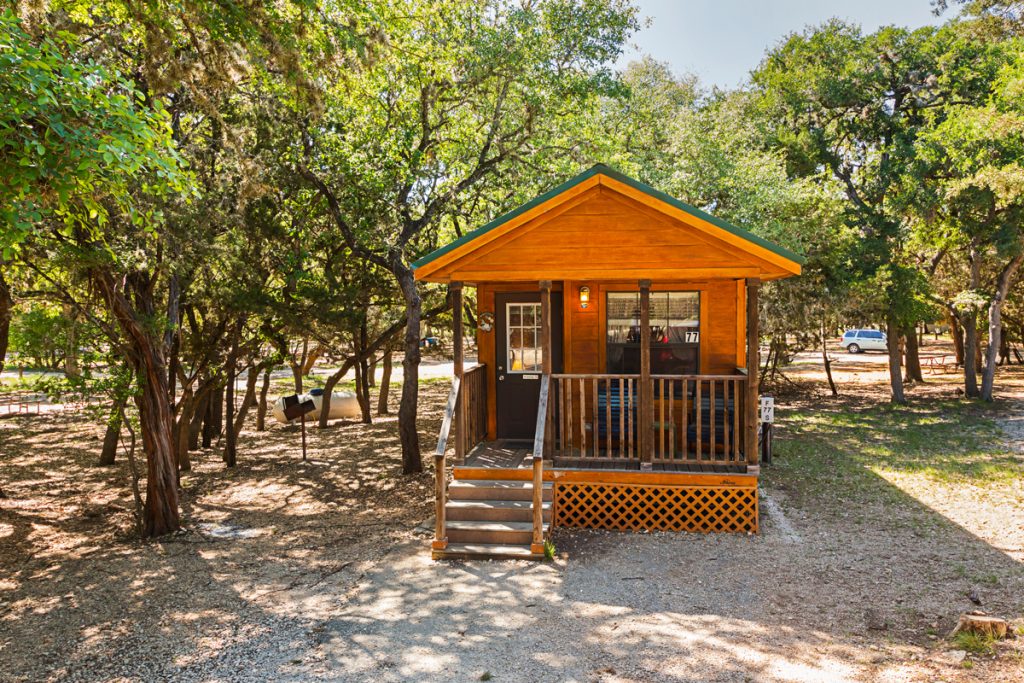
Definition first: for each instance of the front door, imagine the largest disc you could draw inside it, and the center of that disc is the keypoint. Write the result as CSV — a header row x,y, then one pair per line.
x,y
519,359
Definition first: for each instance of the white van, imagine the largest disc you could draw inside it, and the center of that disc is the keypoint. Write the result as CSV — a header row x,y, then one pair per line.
x,y
858,341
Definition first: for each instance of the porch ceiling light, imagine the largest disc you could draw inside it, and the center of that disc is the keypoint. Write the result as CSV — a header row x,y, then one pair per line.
x,y
584,296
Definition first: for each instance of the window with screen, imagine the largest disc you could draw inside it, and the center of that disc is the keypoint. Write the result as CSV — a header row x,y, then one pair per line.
x,y
524,338
675,333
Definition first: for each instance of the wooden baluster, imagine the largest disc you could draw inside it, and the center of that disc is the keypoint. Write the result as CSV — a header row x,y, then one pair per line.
x,y
608,416
583,419
568,417
560,403
700,419
736,436
671,419
629,417
725,418
622,419
686,419
713,439
593,419
661,417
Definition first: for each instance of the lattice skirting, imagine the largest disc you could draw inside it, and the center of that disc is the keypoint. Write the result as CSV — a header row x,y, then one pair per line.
x,y
634,507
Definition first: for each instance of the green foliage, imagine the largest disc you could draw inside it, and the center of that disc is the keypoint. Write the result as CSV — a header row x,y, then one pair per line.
x,y
77,139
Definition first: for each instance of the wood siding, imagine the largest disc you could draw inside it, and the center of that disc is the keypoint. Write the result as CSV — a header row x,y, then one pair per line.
x,y
602,234
722,327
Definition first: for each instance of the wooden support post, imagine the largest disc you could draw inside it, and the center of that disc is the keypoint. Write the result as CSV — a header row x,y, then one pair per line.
x,y
440,498
646,386
537,541
461,440
547,362
753,367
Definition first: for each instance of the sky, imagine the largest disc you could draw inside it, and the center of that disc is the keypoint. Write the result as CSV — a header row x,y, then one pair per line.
x,y
722,40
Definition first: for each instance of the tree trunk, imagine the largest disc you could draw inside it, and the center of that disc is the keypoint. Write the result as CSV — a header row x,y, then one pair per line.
x,y
995,324
329,384
6,313
298,366
360,397
895,369
248,400
261,409
199,416
385,383
958,337
412,461
969,323
214,417
113,433
827,361
71,367
363,391
912,356
230,452
311,358
161,510
182,427
363,377
147,357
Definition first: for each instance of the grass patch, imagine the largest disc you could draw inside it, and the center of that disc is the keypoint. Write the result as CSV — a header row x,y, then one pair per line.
x,y
949,441
975,643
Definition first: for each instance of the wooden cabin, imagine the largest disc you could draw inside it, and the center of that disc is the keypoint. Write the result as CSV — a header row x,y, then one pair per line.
x,y
617,327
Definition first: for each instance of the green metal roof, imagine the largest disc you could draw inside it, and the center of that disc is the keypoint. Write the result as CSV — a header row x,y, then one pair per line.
x,y
601,169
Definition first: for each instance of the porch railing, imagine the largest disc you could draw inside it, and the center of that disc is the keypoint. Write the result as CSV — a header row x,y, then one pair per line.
x,y
474,393
696,419
440,471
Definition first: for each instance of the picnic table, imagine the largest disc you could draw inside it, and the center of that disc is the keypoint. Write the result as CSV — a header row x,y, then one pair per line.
x,y
935,364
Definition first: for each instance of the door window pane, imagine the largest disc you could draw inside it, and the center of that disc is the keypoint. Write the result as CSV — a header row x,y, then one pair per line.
x,y
524,352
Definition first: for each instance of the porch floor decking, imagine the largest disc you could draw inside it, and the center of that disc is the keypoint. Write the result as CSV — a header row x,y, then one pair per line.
x,y
505,454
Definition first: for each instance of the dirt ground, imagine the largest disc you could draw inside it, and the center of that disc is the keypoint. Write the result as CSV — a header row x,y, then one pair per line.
x,y
318,570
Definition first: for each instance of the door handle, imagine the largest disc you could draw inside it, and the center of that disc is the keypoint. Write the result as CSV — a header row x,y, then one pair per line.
x,y
501,378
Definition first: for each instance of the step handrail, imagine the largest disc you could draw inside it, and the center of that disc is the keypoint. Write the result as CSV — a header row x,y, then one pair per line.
x,y
440,470
537,545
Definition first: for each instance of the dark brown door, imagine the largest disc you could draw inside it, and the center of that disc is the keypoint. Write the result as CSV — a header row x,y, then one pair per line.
x,y
519,359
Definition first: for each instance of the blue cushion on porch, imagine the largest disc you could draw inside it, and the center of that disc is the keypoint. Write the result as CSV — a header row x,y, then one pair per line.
x,y
609,396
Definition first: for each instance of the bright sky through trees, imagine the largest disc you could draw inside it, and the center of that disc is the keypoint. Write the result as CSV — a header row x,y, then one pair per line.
x,y
722,40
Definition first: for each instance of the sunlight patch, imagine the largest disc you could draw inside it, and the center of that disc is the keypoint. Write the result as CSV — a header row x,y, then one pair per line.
x,y
232,531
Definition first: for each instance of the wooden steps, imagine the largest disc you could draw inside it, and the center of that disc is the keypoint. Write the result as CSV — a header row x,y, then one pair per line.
x,y
491,518
494,510
494,490
499,533
487,551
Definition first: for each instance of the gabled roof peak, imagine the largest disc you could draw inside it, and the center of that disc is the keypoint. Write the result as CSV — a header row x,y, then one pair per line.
x,y
663,201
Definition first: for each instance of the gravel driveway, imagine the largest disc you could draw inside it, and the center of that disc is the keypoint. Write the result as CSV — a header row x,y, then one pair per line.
x,y
316,571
